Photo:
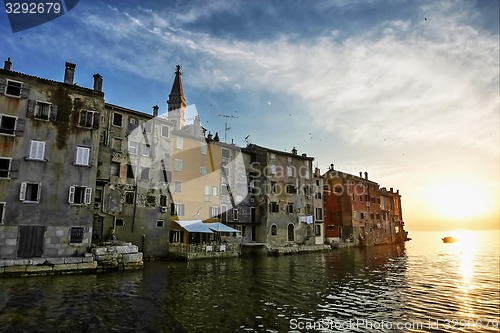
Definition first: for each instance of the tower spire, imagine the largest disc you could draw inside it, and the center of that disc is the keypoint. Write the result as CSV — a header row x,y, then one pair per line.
x,y
176,101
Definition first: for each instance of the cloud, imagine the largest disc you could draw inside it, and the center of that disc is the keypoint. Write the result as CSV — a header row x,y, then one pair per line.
x,y
420,80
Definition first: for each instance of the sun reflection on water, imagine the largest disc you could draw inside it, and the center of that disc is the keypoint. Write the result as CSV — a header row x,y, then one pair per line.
x,y
466,250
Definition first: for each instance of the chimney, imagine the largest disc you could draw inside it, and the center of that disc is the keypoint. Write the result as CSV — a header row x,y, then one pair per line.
x,y
7,65
294,151
360,174
331,166
155,110
397,191
69,73
366,175
98,82
390,189
209,136
304,155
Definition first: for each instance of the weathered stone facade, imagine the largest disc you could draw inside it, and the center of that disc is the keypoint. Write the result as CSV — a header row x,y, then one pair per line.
x,y
49,141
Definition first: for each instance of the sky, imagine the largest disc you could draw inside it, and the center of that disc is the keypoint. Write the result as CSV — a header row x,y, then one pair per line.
x,y
405,90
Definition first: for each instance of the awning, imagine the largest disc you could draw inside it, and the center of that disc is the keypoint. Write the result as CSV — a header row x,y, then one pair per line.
x,y
195,226
220,227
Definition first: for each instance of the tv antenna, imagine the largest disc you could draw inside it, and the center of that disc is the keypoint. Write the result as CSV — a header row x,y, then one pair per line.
x,y
226,128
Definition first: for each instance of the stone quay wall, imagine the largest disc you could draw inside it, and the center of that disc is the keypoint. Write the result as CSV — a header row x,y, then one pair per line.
x,y
103,258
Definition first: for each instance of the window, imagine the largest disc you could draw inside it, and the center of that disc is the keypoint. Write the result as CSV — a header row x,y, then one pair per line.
x,y
150,201
129,198
290,189
177,209
13,88
132,123
203,171
291,233
117,119
289,171
176,236
317,230
362,215
145,173
148,127
131,171
224,189
165,131
178,165
133,147
80,195
119,223
215,191
207,193
226,153
160,223
76,235
4,167
290,209
308,210
204,148
7,125
274,230
179,143
319,213
272,170
98,195
377,216
273,207
214,211
115,169
165,176
360,198
272,156
146,149
117,144
30,192
289,159
235,214
37,150
2,211
372,216
177,186
223,211
82,156
163,200
89,119
42,110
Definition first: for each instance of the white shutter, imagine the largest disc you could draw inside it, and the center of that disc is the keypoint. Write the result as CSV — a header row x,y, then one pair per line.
x,y
82,155
41,150
86,156
22,192
88,195
33,148
39,194
71,196
37,150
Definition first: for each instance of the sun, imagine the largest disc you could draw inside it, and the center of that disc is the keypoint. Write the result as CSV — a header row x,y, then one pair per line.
x,y
458,199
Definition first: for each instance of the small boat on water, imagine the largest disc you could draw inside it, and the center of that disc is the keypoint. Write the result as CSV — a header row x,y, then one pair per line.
x,y
449,239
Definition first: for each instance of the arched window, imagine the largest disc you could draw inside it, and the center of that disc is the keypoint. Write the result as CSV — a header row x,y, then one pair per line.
x,y
274,230
291,233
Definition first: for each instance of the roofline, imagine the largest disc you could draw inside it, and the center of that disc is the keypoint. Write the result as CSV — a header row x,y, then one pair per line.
x,y
124,109
348,174
280,152
73,86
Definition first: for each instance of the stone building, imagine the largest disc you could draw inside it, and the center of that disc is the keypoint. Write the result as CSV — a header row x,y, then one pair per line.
x,y
358,211
132,189
283,193
49,143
